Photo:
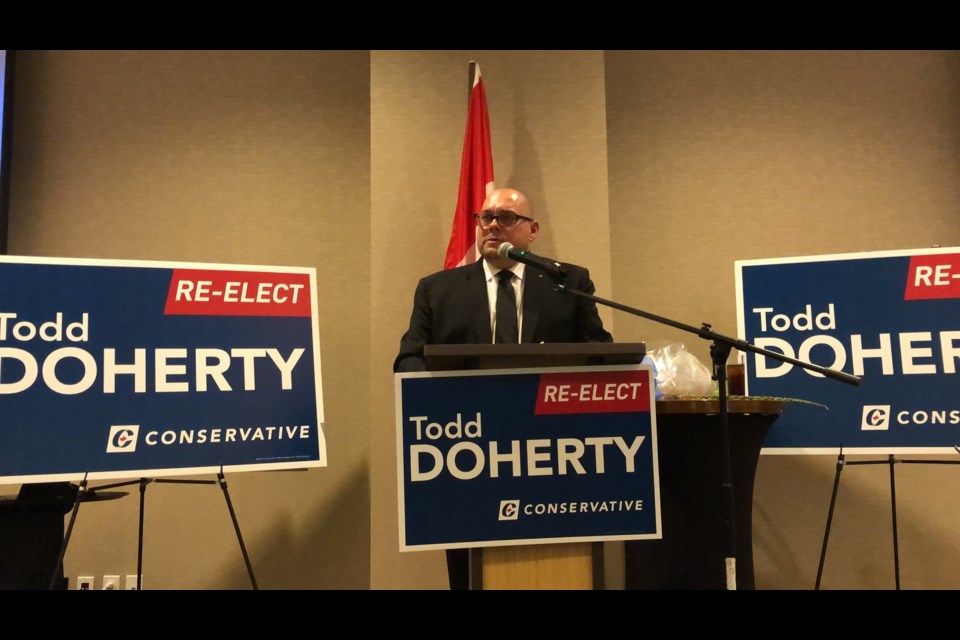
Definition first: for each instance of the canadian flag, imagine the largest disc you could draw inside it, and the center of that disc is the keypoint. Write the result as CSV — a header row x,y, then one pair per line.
x,y
476,177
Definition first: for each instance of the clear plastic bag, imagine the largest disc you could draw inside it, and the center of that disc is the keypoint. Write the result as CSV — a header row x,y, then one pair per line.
x,y
679,372
657,393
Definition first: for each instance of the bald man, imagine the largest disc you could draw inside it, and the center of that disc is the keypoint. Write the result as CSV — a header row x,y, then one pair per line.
x,y
467,305
459,306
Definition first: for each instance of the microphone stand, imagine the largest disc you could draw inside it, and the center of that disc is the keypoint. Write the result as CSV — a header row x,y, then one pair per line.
x,y
719,352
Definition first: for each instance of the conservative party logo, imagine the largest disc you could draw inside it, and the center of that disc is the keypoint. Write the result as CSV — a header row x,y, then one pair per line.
x,y
509,509
123,438
876,417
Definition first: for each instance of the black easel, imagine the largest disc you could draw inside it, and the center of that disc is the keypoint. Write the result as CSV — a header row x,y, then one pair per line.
x,y
891,460
719,352
143,482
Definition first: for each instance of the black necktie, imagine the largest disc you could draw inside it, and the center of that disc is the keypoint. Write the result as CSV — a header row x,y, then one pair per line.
x,y
506,309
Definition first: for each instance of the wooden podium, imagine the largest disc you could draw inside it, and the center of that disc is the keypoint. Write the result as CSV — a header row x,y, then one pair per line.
x,y
576,565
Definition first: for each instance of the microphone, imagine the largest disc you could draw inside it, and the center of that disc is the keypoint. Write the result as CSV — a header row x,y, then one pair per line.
x,y
552,268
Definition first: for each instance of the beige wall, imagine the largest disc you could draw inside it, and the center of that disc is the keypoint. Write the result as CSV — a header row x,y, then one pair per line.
x,y
717,157
655,169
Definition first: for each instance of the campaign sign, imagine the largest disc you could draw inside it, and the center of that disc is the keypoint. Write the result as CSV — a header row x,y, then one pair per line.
x,y
130,369
523,456
891,317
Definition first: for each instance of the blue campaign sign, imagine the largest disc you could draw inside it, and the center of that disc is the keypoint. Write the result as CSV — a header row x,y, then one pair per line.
x,y
122,369
526,456
891,317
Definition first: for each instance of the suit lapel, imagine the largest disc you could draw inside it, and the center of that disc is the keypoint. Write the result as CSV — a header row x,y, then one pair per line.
x,y
535,288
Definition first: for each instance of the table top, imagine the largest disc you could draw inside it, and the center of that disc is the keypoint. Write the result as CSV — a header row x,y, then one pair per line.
x,y
737,404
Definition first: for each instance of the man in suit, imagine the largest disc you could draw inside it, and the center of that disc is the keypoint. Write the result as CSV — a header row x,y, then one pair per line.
x,y
459,306
497,300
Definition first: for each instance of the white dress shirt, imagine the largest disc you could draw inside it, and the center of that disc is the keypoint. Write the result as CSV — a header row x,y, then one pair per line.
x,y
492,284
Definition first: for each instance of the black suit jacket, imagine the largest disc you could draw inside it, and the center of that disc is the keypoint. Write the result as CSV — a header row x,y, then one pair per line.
x,y
450,307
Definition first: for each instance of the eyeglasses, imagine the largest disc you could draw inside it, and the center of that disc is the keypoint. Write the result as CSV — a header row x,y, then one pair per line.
x,y
505,219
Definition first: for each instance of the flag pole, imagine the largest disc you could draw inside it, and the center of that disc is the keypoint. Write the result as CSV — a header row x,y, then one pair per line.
x,y
471,78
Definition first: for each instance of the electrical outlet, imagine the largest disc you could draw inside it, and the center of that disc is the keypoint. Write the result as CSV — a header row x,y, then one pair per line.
x,y
85,583
111,583
130,582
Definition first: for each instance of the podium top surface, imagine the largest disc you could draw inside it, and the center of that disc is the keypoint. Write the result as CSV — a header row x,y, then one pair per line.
x,y
447,357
